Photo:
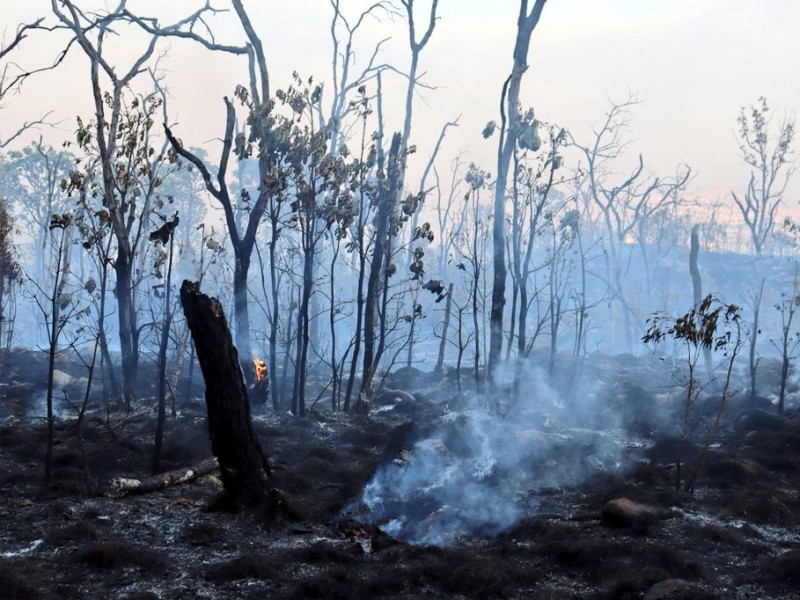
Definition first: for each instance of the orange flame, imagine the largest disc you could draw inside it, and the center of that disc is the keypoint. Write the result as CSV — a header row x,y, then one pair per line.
x,y
261,369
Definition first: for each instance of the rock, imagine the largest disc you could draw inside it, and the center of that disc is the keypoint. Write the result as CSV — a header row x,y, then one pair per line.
x,y
677,589
622,512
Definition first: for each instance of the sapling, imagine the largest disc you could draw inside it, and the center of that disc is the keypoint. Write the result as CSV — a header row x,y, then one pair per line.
x,y
789,340
709,325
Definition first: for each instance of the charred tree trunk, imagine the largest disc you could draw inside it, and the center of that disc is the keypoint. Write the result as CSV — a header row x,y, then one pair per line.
x,y
362,268
697,297
274,320
233,440
162,357
382,226
754,359
128,330
526,23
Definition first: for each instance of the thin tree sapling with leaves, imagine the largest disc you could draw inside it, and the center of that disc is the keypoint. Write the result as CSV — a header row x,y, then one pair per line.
x,y
710,324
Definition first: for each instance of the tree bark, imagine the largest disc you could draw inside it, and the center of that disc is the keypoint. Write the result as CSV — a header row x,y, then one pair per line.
x,y
508,138
234,442
382,226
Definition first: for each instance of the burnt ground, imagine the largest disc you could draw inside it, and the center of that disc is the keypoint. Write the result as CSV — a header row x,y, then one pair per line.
x,y
735,537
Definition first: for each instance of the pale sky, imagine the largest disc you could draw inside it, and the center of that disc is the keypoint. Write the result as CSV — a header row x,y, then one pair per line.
x,y
692,63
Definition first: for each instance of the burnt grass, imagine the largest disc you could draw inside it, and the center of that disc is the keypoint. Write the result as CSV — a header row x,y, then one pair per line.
x,y
735,537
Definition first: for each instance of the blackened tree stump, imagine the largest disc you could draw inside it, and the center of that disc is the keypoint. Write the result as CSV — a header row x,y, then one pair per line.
x,y
245,473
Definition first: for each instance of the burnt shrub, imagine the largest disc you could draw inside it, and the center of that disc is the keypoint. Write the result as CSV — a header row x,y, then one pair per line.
x,y
82,531
714,534
69,474
68,458
761,420
583,553
323,453
487,578
186,447
119,554
15,586
68,487
730,472
352,476
761,506
314,468
609,559
293,482
634,584
320,553
201,534
144,595
786,567
17,477
652,475
336,582
243,567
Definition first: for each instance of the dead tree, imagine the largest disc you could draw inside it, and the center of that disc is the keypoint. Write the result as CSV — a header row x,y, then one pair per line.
x,y
12,76
257,98
761,200
526,22
244,468
697,294
622,204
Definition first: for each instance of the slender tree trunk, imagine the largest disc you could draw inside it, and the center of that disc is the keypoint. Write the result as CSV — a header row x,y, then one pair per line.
x,y
445,328
53,335
242,313
754,360
162,364
303,331
784,379
101,325
274,322
508,138
332,325
476,273
287,352
128,331
382,225
697,295
360,304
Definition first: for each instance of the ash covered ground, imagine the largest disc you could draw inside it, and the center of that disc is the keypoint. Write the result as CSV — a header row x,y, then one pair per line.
x,y
566,492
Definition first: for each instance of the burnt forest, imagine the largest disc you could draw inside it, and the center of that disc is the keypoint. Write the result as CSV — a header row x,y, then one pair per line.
x,y
395,299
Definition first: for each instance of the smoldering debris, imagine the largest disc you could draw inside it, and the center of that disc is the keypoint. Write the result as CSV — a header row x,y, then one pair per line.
x,y
478,473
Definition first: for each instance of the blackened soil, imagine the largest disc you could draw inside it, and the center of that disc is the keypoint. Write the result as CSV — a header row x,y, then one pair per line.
x,y
735,537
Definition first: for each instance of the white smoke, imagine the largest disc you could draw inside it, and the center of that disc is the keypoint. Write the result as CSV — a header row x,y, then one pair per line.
x,y
477,473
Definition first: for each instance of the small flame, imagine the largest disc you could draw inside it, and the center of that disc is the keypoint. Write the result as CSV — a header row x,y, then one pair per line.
x,y
261,369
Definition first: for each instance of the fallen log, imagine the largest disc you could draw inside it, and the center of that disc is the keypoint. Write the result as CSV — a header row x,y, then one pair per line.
x,y
123,485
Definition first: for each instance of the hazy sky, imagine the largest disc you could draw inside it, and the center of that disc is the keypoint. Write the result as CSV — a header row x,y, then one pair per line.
x,y
692,63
